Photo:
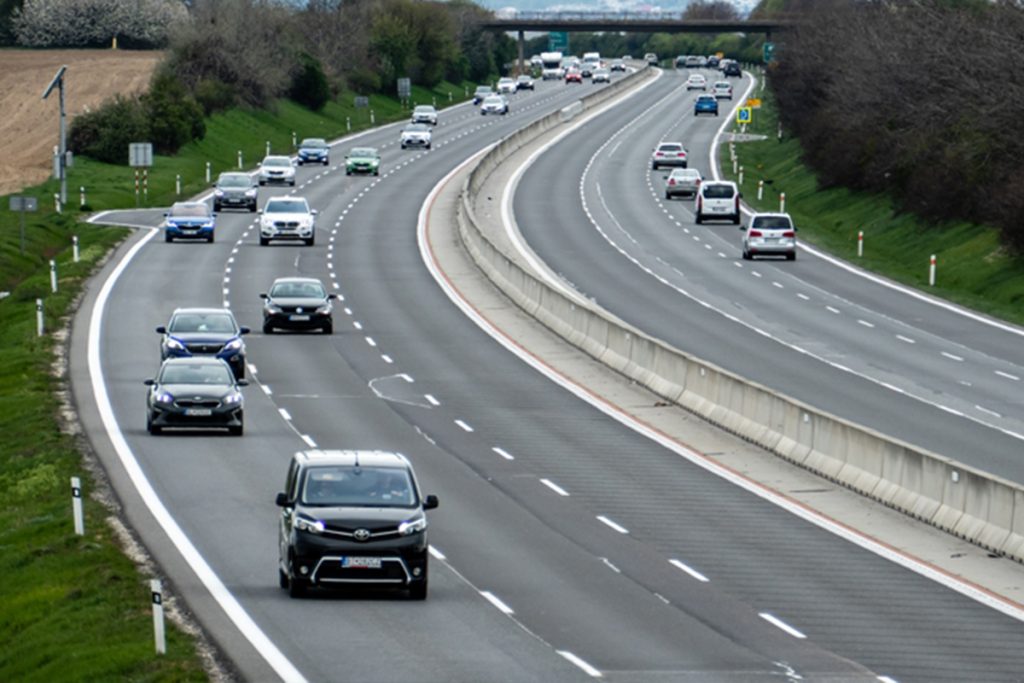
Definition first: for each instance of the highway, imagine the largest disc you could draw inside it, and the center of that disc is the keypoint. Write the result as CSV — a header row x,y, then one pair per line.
x,y
567,546
919,372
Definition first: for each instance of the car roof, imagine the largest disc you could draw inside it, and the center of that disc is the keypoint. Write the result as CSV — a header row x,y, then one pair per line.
x,y
669,142
195,360
366,458
313,141
311,280
201,311
771,214
190,205
286,196
424,107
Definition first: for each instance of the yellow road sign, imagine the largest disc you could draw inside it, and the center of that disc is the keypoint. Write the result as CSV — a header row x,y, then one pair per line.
x,y
744,115
753,103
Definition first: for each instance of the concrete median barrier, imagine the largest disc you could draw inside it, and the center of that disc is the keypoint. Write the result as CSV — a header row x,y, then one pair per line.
x,y
972,504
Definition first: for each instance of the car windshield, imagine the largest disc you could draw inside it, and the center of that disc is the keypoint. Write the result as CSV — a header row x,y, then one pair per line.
x,y
718,191
483,90
277,161
234,180
307,290
417,128
314,143
363,152
772,223
190,210
195,373
202,322
285,206
424,109
358,486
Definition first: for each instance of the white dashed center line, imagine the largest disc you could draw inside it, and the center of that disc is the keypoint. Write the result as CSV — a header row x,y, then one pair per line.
x,y
1007,375
587,668
554,487
613,525
906,340
284,413
775,621
951,356
462,425
689,570
503,453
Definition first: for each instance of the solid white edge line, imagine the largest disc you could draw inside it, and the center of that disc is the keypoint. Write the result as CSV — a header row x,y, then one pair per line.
x,y
437,554
284,414
779,623
678,564
227,601
554,487
969,590
494,600
587,668
618,527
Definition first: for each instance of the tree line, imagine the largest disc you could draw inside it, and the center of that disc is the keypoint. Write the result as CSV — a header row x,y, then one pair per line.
x,y
913,98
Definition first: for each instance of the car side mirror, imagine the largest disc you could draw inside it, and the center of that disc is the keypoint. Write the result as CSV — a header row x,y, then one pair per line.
x,y
259,164
244,330
743,228
242,382
259,212
149,382
332,296
430,502
161,330
263,295
281,500
166,214
314,212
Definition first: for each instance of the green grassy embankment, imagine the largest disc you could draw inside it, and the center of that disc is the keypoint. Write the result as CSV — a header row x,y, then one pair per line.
x,y
76,608
973,269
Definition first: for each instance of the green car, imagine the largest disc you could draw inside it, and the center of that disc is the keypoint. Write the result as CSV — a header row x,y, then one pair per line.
x,y
362,160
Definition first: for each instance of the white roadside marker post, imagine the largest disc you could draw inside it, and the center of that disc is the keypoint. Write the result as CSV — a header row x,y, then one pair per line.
x,y
931,271
860,243
207,172
158,617
239,160
760,190
53,276
782,202
76,506
40,329
74,247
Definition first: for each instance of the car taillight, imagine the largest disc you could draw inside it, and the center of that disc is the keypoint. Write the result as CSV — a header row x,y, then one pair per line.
x,y
756,233
681,155
671,181
789,233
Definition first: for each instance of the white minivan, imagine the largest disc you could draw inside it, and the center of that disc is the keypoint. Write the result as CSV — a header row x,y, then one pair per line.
x,y
718,200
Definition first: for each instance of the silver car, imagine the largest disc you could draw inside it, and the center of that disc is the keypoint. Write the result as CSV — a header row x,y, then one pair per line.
x,y
601,76
683,182
769,234
425,113
277,169
494,104
668,154
416,135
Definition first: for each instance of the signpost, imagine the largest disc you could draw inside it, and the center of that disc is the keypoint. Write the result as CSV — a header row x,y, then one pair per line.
x,y
744,115
404,89
60,160
21,205
140,155
753,103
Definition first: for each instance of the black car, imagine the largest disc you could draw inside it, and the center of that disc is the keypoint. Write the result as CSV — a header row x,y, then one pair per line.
x,y
235,190
732,69
204,332
297,303
195,392
352,518
314,151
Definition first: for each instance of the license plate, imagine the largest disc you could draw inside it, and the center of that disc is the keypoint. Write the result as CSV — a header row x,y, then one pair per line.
x,y
298,318
360,562
771,240
199,412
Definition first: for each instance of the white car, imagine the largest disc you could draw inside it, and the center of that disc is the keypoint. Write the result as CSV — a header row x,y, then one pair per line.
x,y
425,113
287,218
717,200
696,82
601,76
506,86
494,104
415,135
277,169
722,90
769,234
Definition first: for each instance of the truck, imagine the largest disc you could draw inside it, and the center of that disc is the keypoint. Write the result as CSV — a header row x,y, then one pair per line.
x,y
551,65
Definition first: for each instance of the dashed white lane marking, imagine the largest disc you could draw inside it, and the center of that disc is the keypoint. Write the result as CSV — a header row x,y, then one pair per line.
x,y
952,411
906,340
462,425
887,679
494,600
779,623
587,668
266,389
804,296
608,563
503,453
1007,375
369,340
777,284
689,570
430,398
830,309
554,487
952,356
438,555
252,369
356,324
285,414
604,520
386,358
865,323
308,439
755,273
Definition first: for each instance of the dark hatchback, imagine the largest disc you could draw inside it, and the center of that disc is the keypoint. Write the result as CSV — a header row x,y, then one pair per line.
x,y
195,392
297,303
352,518
204,332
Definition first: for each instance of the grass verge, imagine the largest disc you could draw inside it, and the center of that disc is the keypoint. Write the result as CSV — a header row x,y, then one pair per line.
x,y
973,269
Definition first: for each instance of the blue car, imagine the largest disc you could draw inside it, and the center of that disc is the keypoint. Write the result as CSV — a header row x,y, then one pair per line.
x,y
192,220
314,151
705,104
204,332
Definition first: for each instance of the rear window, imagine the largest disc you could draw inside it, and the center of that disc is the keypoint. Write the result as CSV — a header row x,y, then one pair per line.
x,y
670,148
772,223
718,191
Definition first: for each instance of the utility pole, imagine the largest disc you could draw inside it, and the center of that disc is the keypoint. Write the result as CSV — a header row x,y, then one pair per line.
x,y
60,164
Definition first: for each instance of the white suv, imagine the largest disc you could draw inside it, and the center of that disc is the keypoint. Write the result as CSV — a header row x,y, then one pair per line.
x,y
277,169
415,135
718,200
287,218
769,234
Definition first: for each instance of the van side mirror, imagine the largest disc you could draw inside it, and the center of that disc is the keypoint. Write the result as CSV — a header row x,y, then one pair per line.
x,y
430,502
281,500
161,330
149,382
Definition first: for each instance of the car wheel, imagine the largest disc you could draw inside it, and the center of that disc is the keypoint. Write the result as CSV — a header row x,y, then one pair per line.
x,y
216,207
268,328
418,590
282,578
292,183
252,207
310,241
747,256
236,431
348,172
791,256
654,167
699,218
210,238
264,241
152,428
428,146
296,588
377,172
668,196
736,219
167,237
326,162
262,183
328,328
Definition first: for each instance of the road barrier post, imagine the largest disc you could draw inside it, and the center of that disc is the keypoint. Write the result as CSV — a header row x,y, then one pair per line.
x,y
53,276
136,188
76,506
931,271
81,196
735,165
294,141
56,202
760,190
40,329
780,132
782,202
74,247
158,616
860,243
434,99
348,124
450,97
239,160
207,172
741,176
177,184
267,154
373,119
145,185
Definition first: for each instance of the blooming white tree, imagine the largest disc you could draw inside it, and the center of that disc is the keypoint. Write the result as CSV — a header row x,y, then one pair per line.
x,y
93,23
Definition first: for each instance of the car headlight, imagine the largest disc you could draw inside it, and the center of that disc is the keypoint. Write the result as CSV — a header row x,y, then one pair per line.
x,y
174,345
218,193
271,308
233,345
326,308
164,398
412,526
250,193
233,398
308,524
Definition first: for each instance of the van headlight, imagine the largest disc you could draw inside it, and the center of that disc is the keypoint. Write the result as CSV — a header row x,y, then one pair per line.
x,y
308,524
412,526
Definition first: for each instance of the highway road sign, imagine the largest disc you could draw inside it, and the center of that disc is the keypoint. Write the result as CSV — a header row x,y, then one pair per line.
x,y
753,103
744,115
19,203
769,52
404,88
362,102
558,41
140,154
